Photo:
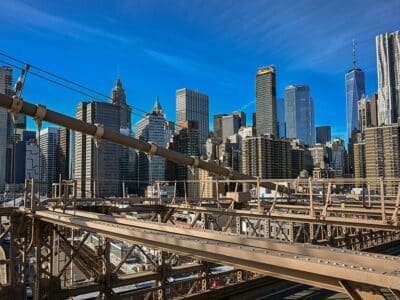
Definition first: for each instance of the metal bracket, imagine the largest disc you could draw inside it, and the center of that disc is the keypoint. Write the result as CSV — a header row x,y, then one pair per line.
x,y
152,151
16,107
40,114
98,134
195,164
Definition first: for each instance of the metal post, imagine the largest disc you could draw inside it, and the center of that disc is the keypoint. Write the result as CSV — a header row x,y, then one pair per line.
x,y
310,187
258,195
382,192
217,190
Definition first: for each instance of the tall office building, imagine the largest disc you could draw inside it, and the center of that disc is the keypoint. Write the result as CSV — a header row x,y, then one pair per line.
x,y
364,113
186,141
373,104
49,141
254,120
388,66
118,98
338,157
299,114
97,168
242,118
280,115
359,160
266,101
355,89
5,88
218,125
323,134
193,106
100,170
151,128
32,160
64,152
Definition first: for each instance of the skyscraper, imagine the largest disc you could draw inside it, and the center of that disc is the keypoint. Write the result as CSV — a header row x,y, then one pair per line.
x,y
323,134
186,141
355,89
364,113
280,115
118,98
218,125
388,66
299,114
63,152
193,106
5,88
373,103
49,140
97,168
266,101
151,128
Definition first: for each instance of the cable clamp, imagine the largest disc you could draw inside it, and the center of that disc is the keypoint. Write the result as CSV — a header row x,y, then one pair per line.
x,y
16,107
196,162
98,134
152,151
40,114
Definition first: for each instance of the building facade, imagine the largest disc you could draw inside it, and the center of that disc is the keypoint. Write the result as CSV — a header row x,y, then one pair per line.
x,y
49,143
32,160
5,88
338,158
280,115
151,128
364,113
323,134
194,106
97,167
299,114
388,66
265,157
266,120
64,152
218,125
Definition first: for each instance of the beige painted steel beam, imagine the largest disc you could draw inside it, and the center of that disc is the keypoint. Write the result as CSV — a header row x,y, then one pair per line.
x,y
308,266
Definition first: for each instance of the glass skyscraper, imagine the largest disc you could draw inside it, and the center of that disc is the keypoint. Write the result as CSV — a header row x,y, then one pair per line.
x,y
355,89
299,114
280,116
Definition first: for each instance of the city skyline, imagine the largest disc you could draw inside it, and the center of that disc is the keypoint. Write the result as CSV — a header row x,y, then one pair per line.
x,y
321,67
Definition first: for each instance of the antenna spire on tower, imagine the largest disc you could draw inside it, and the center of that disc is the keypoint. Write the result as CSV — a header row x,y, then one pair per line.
x,y
354,53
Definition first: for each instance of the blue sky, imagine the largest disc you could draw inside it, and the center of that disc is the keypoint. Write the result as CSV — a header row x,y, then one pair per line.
x,y
212,46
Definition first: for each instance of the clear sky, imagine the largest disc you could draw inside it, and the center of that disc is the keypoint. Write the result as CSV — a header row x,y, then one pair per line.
x,y
215,47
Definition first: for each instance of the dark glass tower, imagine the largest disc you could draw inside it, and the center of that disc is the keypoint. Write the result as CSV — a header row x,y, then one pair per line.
x,y
266,101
